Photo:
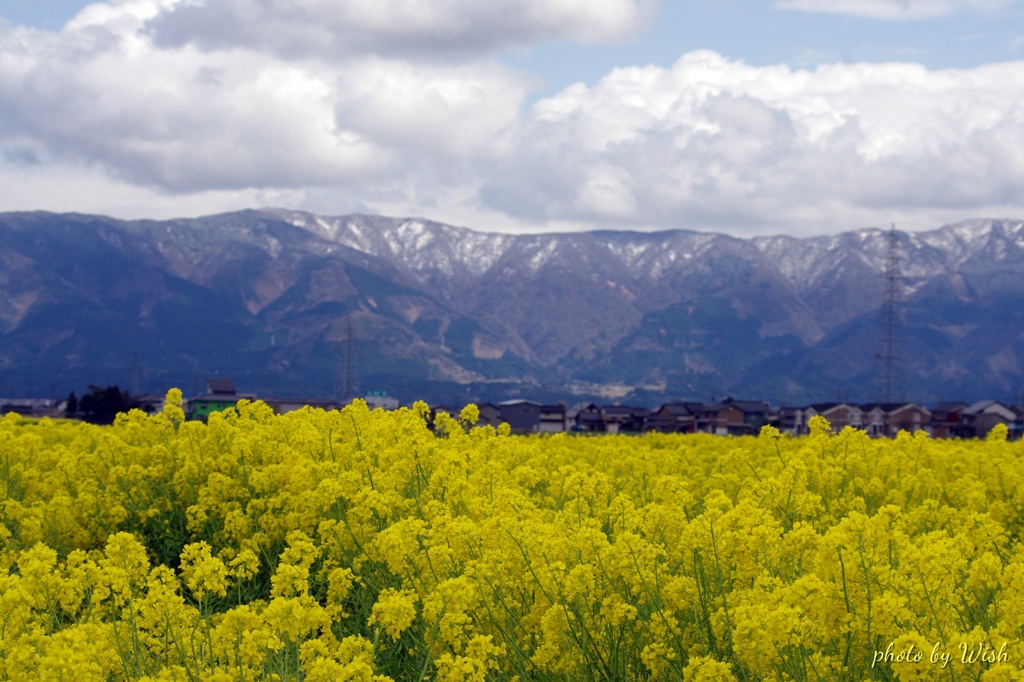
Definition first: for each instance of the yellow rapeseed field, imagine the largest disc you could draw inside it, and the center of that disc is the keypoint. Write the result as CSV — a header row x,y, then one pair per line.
x,y
363,545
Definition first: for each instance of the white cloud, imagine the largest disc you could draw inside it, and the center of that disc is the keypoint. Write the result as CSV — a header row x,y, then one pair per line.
x,y
894,9
186,120
714,143
406,27
104,114
70,187
448,110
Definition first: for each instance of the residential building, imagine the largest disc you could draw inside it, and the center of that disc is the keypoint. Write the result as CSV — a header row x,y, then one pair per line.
x,y
286,405
756,414
523,416
839,415
490,415
984,414
220,395
948,421
623,418
381,399
551,418
584,417
888,419
672,418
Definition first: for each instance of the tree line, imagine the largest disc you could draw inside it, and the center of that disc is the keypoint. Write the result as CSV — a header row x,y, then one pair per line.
x,y
100,405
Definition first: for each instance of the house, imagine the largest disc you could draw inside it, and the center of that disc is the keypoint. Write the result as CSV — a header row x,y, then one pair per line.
x,y
839,415
984,414
672,418
623,418
523,416
584,417
381,399
1016,430
490,415
438,408
552,418
221,394
756,414
888,419
31,407
789,420
729,420
660,424
286,405
151,403
719,418
948,421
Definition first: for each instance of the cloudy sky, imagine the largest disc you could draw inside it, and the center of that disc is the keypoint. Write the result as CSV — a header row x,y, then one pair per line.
x,y
745,116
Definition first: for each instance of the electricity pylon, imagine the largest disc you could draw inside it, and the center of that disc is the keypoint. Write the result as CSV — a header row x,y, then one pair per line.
x,y
890,356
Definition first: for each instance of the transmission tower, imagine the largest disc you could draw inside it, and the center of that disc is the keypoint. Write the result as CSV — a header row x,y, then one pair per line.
x,y
890,356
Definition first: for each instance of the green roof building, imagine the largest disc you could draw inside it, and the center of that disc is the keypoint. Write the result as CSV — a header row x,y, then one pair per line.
x,y
220,395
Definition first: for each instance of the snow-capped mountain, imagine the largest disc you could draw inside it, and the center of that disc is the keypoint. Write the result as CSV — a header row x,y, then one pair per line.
x,y
289,301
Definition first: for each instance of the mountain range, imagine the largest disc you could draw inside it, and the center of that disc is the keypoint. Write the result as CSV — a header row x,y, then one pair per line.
x,y
298,304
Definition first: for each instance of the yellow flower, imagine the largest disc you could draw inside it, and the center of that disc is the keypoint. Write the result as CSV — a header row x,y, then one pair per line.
x,y
297,617
291,578
760,557
615,611
125,566
339,584
819,426
172,407
204,573
911,657
473,666
245,565
394,610
707,669
469,415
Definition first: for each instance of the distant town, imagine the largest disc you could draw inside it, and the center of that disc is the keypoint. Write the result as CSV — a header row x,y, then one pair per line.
x,y
728,416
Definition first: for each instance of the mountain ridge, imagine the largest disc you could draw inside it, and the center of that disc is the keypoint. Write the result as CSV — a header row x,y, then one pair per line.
x,y
273,295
